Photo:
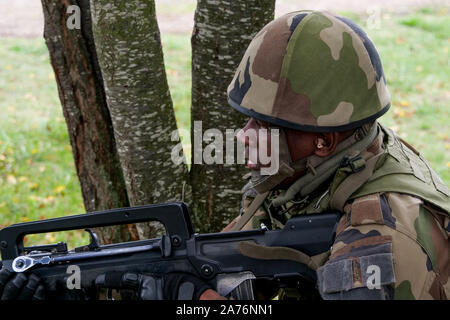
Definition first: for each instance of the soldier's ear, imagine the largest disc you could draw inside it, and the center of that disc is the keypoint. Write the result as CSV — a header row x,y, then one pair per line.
x,y
325,143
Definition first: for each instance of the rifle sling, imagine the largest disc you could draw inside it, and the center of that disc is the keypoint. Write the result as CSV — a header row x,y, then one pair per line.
x,y
250,212
257,251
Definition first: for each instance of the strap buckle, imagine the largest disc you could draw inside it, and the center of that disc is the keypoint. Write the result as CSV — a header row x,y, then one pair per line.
x,y
356,163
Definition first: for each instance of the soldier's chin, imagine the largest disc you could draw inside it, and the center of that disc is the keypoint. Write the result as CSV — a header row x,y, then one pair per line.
x,y
256,175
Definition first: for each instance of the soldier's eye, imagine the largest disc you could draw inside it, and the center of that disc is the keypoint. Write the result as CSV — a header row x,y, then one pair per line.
x,y
262,124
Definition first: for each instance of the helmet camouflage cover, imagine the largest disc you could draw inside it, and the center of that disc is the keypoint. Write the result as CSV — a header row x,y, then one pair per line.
x,y
311,71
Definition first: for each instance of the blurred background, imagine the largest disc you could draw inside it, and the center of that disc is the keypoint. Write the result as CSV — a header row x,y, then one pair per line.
x,y
37,174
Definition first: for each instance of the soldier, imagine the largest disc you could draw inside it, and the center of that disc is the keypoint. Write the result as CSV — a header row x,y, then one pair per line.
x,y
318,78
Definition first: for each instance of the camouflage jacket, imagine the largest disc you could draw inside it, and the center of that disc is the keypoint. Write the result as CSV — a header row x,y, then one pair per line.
x,y
389,244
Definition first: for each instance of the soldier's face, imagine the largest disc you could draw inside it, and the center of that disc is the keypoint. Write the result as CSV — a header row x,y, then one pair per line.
x,y
301,144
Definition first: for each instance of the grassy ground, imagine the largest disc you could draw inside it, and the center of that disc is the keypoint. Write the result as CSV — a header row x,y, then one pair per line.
x,y
415,54
37,175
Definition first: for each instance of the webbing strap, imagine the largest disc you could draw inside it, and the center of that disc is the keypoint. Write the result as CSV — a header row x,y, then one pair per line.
x,y
270,181
250,212
352,183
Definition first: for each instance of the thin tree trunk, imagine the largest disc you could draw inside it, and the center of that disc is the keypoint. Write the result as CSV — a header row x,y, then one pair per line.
x,y
222,31
80,87
131,59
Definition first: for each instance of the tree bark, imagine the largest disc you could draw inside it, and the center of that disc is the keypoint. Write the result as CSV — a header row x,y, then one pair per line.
x,y
131,59
80,87
222,31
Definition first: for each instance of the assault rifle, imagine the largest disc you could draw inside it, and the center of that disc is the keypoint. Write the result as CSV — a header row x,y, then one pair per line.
x,y
225,260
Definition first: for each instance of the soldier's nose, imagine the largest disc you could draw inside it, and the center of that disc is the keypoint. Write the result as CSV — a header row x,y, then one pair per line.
x,y
240,136
250,128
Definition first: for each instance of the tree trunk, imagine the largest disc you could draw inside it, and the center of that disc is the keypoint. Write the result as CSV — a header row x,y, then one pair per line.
x,y
80,87
130,55
222,31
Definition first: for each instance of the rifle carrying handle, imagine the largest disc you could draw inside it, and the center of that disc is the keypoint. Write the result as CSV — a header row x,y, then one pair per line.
x,y
174,216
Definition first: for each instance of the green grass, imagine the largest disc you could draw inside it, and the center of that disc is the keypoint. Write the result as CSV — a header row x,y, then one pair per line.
x,y
177,58
168,7
37,174
415,54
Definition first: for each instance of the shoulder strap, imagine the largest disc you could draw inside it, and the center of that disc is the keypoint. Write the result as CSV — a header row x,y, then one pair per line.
x,y
353,183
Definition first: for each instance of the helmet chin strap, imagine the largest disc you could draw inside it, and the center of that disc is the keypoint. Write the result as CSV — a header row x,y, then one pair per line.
x,y
319,168
265,183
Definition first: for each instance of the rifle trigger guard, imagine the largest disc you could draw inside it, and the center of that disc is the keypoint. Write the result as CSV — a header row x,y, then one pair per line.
x,y
165,246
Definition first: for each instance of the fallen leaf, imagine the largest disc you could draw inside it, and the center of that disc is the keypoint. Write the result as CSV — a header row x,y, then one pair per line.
x,y
404,103
11,179
33,186
59,189
398,113
442,12
419,87
50,237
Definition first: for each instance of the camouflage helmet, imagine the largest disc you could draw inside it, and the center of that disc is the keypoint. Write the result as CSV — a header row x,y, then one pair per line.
x,y
311,71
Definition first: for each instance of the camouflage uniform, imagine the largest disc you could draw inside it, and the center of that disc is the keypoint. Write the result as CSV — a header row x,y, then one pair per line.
x,y
406,236
323,74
